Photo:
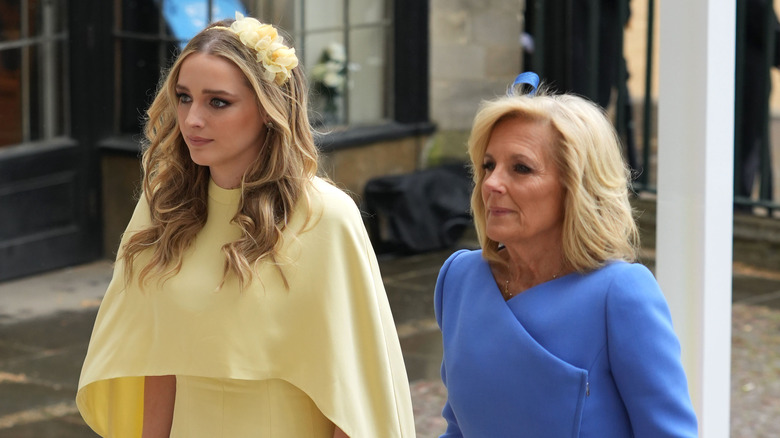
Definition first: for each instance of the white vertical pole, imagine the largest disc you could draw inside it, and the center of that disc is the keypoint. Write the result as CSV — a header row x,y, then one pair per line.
x,y
694,222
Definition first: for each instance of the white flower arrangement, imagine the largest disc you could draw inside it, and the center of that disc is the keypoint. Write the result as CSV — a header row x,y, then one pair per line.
x,y
329,75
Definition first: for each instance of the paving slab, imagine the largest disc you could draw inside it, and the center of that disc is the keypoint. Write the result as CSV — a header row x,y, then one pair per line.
x,y
422,354
71,289
54,428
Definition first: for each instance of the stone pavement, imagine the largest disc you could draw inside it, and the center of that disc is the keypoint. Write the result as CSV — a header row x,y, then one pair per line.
x,y
46,320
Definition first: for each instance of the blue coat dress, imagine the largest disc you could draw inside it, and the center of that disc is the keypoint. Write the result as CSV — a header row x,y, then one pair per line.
x,y
585,355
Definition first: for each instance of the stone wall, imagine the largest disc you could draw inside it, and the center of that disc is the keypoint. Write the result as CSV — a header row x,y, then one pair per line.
x,y
351,168
475,53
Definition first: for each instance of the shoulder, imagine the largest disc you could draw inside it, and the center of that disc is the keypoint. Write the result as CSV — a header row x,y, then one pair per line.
x,y
330,201
631,289
328,211
626,278
460,259
618,285
457,265
141,217
620,273
452,273
328,191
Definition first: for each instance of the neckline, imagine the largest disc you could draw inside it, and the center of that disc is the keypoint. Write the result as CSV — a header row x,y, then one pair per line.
x,y
531,289
223,196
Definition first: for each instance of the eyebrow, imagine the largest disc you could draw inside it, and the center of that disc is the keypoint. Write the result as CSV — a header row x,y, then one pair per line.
x,y
206,91
520,156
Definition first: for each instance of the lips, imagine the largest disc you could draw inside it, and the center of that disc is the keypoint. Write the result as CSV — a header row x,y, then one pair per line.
x,y
498,211
197,141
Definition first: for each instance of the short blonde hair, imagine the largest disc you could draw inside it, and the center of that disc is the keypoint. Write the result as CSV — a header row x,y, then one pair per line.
x,y
598,223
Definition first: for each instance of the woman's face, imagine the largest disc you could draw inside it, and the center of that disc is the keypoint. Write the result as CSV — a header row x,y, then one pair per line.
x,y
521,188
218,116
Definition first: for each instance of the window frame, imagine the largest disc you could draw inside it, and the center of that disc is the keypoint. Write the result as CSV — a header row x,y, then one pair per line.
x,y
48,45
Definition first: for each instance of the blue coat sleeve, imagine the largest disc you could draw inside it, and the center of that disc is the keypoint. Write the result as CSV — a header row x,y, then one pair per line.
x,y
453,430
644,355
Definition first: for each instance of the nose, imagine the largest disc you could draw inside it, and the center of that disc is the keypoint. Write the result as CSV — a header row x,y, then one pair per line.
x,y
493,181
193,117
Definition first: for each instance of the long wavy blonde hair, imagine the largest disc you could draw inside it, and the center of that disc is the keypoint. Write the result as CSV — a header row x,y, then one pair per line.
x,y
176,188
598,223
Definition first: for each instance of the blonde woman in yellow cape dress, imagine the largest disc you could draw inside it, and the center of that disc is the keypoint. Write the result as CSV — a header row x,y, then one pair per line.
x,y
297,341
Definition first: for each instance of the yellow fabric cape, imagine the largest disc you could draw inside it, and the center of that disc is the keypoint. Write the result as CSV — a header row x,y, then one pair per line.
x,y
331,334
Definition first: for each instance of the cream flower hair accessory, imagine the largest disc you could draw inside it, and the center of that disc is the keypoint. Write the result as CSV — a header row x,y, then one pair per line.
x,y
278,60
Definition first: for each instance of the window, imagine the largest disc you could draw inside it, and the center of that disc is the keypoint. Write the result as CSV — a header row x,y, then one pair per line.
x,y
33,70
345,47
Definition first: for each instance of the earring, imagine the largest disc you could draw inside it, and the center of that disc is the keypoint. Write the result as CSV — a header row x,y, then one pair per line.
x,y
269,125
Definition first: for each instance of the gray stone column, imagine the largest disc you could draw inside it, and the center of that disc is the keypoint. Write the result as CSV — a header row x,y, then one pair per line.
x,y
475,54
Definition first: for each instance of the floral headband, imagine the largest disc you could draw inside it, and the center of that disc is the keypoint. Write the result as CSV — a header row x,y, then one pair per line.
x,y
277,59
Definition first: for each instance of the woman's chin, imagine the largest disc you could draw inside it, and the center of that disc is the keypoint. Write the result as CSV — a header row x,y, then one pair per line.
x,y
499,232
199,159
496,236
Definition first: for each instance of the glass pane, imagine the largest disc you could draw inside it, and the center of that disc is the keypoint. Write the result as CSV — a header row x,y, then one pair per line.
x,y
35,18
10,97
47,100
318,45
141,16
323,14
60,15
33,79
46,17
326,63
141,63
282,13
36,94
60,93
368,78
10,20
366,11
227,9
185,18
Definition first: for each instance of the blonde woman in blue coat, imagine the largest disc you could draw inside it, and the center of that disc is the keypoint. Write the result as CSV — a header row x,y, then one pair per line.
x,y
552,329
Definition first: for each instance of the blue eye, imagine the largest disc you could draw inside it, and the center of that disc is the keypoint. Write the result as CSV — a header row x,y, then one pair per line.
x,y
219,103
183,98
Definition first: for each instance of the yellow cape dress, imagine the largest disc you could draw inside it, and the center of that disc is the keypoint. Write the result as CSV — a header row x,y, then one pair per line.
x,y
331,335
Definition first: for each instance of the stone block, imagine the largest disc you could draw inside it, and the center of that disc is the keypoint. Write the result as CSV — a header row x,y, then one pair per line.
x,y
454,103
503,62
351,168
453,27
494,27
453,61
448,146
471,6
